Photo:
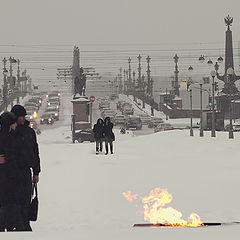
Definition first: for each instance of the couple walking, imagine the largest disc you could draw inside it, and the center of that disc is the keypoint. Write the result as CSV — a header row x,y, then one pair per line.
x,y
103,132
18,155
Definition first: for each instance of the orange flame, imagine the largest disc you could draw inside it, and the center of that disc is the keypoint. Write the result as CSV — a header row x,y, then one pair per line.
x,y
129,196
155,210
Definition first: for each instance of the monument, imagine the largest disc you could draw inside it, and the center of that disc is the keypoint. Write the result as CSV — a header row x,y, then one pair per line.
x,y
229,91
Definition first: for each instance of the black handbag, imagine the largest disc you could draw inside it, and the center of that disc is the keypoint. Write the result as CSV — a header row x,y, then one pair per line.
x,y
33,211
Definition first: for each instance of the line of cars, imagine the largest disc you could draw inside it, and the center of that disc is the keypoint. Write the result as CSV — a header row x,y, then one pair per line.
x,y
32,107
129,120
51,113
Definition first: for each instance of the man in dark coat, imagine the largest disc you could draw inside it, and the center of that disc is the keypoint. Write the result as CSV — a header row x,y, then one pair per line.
x,y
28,159
98,131
109,135
10,209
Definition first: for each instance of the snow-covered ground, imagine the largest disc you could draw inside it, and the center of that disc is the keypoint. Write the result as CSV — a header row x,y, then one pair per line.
x,y
81,193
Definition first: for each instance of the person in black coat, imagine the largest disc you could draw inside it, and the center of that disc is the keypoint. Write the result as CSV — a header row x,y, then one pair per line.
x,y
109,135
98,131
10,208
28,160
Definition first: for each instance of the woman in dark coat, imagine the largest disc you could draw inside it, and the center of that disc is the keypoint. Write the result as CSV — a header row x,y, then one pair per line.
x,y
10,210
109,135
98,131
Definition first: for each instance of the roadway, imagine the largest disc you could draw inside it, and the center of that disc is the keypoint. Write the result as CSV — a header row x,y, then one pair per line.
x,y
96,114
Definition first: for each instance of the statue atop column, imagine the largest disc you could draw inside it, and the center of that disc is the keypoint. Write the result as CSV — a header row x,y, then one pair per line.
x,y
80,83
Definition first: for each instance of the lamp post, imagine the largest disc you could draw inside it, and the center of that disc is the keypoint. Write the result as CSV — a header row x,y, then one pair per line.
x,y
230,73
191,110
176,72
134,85
201,82
148,76
18,81
126,85
143,84
130,75
5,72
213,132
190,86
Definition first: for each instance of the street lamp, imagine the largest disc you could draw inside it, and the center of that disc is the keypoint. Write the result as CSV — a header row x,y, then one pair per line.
x,y
5,72
230,73
210,62
201,82
190,69
213,132
191,110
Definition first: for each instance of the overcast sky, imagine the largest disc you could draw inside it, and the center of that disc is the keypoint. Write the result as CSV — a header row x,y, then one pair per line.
x,y
114,24
116,21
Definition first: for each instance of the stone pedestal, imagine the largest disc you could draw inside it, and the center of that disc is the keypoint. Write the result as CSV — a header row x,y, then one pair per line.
x,y
81,110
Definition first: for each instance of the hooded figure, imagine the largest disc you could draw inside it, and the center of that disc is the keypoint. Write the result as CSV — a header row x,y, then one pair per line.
x,y
10,210
98,131
109,135
28,162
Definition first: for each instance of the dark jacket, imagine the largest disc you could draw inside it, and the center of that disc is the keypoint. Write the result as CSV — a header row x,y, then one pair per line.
x,y
108,130
9,177
98,130
28,148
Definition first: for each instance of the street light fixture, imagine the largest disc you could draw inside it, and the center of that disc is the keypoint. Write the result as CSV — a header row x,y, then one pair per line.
x,y
220,59
190,69
213,132
210,62
230,73
201,59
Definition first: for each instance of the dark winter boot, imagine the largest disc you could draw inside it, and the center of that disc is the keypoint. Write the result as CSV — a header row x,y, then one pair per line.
x,y
106,150
111,149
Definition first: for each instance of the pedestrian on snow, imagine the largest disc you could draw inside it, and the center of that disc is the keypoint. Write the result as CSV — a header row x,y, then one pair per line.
x,y
109,135
98,131
10,208
28,159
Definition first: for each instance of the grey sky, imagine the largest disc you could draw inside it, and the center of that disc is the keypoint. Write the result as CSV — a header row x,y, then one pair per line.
x,y
116,21
113,24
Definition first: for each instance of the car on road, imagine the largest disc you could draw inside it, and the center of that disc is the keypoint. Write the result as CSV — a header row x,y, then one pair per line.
x,y
118,104
104,105
235,127
119,120
36,100
55,115
31,104
108,113
145,118
154,122
163,127
52,109
105,109
53,94
46,118
31,110
113,97
54,99
133,122
85,135
127,110
125,104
